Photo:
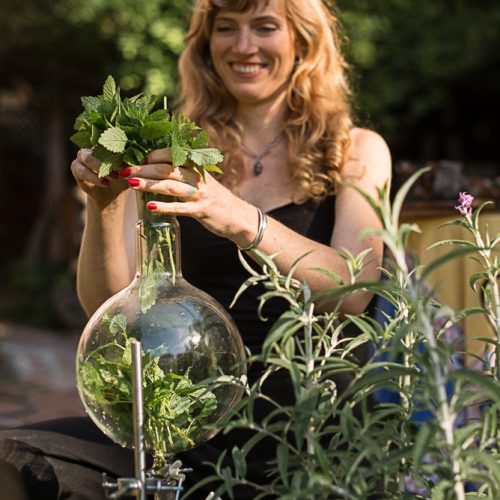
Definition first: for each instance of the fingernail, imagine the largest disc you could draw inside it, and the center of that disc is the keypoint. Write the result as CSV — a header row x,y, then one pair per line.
x,y
134,182
105,182
151,205
125,172
114,174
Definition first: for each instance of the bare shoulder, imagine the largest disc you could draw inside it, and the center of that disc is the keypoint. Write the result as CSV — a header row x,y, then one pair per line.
x,y
369,157
365,141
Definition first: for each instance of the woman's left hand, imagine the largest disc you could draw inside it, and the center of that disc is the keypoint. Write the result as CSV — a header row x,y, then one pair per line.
x,y
208,201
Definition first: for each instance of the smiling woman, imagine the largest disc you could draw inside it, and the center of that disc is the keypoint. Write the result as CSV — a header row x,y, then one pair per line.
x,y
266,80
300,43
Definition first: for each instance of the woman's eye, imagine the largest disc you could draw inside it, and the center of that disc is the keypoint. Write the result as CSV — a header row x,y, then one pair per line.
x,y
267,28
223,28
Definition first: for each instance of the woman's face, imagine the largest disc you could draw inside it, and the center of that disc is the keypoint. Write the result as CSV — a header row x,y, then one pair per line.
x,y
253,52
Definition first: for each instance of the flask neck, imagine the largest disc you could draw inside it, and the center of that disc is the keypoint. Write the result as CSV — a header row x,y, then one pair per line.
x,y
157,241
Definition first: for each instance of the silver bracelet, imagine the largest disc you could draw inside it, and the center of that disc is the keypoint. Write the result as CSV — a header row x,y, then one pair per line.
x,y
260,231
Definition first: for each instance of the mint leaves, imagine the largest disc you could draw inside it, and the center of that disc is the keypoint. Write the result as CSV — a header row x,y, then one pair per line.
x,y
175,407
123,131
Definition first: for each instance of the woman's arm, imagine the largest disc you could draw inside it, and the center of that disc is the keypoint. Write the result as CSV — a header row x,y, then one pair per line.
x,y
228,216
106,261
369,168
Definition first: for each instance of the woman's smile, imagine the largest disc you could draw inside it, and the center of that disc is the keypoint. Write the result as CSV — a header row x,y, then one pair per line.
x,y
247,69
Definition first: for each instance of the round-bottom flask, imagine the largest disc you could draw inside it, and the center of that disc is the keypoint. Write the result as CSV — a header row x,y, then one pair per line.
x,y
191,351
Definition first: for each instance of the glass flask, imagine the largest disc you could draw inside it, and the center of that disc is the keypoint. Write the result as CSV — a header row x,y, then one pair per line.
x,y
188,340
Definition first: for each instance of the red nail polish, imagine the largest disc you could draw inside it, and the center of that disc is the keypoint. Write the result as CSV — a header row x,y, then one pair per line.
x,y
134,182
152,205
125,172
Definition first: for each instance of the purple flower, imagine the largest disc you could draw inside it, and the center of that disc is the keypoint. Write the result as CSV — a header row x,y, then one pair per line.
x,y
465,204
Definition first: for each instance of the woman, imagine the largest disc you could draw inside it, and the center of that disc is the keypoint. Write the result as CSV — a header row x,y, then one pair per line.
x,y
266,79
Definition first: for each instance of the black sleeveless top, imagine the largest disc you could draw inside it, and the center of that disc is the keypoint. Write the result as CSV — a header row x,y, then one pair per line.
x,y
211,263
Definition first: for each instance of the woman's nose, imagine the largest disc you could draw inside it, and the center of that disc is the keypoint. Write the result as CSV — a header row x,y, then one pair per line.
x,y
244,42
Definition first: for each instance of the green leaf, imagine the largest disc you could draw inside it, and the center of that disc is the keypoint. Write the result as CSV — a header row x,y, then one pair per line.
x,y
91,103
133,156
210,168
113,139
110,161
438,262
205,156
109,88
403,191
421,444
286,323
282,462
487,384
200,141
131,128
155,130
82,139
158,115
179,155
456,242
473,281
240,464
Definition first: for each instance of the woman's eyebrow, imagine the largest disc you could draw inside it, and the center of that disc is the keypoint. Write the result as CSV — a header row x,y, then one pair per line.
x,y
265,18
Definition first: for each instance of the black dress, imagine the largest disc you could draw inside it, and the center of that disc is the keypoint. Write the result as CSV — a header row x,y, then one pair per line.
x,y
64,459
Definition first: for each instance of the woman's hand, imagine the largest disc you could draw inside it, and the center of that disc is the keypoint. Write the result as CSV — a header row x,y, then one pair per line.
x,y
208,201
103,190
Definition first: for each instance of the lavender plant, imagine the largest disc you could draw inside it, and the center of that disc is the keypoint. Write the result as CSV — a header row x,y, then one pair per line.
x,y
352,444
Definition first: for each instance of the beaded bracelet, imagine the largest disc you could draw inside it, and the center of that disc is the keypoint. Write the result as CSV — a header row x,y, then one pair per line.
x,y
260,231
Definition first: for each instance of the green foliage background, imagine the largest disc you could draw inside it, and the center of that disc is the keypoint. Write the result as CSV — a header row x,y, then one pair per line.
x,y
417,61
426,76
411,58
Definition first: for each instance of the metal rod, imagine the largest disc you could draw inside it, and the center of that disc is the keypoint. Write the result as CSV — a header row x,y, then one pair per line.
x,y
138,414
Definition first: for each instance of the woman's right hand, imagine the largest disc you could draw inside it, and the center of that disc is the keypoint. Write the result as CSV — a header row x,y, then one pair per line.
x,y
103,190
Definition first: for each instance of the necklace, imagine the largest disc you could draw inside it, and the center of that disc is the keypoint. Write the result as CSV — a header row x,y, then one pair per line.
x,y
257,166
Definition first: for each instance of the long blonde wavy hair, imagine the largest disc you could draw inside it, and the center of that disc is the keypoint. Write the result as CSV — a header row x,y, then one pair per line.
x,y
318,96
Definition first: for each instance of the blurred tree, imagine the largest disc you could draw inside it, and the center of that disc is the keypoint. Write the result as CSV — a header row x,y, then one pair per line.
x,y
68,46
51,53
427,74
62,49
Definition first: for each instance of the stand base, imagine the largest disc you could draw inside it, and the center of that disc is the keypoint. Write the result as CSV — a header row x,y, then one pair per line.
x,y
161,488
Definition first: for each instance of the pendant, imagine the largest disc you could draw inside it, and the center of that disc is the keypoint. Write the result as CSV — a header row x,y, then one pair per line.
x,y
258,167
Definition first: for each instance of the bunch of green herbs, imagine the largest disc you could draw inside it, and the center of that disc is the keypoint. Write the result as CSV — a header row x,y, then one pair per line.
x,y
123,131
175,407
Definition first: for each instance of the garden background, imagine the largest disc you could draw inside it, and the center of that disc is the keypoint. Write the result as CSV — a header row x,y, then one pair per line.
x,y
426,75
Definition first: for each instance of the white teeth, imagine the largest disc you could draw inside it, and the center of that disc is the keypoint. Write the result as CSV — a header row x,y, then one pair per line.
x,y
246,68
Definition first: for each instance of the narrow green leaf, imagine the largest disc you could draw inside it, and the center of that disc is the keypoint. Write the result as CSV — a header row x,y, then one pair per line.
x,y
286,323
421,444
400,197
473,281
282,462
462,243
240,463
487,383
438,262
